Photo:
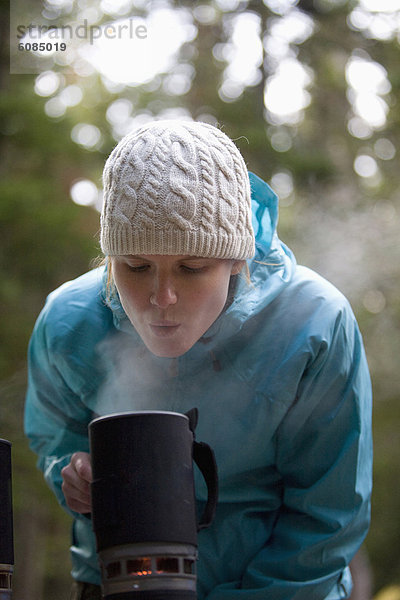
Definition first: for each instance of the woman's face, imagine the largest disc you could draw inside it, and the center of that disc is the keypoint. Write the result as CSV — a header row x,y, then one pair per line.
x,y
172,300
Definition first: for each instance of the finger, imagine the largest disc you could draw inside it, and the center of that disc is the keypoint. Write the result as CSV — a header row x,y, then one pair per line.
x,y
76,483
72,478
77,498
78,505
81,463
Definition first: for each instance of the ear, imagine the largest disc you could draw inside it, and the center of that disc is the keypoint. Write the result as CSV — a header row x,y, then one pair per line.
x,y
237,266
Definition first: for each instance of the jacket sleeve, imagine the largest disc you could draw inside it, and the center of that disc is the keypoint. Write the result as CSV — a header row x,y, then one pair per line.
x,y
55,417
324,457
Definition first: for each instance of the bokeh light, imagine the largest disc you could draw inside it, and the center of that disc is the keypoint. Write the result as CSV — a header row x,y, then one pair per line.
x,y
374,301
86,135
365,166
85,193
282,183
133,59
47,83
285,94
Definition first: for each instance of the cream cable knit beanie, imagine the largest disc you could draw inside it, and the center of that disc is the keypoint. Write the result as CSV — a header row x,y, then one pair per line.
x,y
177,187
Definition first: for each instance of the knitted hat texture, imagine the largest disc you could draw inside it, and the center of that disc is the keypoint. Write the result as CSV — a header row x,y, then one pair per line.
x,y
177,188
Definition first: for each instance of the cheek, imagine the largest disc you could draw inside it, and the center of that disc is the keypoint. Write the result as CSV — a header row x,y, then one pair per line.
x,y
130,296
133,303
211,303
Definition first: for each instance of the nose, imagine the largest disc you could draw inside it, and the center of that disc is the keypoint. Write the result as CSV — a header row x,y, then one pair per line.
x,y
164,293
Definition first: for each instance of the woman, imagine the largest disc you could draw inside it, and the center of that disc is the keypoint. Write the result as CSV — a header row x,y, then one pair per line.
x,y
275,365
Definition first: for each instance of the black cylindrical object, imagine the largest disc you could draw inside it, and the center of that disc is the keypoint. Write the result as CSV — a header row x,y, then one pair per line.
x,y
6,521
143,503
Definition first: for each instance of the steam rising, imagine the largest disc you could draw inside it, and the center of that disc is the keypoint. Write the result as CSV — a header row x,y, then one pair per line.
x,y
135,379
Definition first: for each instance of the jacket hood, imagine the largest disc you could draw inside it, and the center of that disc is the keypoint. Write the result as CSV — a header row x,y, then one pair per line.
x,y
271,269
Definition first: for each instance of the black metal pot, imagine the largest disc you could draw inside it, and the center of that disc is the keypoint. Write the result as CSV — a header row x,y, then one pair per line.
x,y
143,503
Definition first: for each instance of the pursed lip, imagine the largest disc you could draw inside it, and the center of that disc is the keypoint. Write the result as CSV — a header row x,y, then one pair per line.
x,y
164,323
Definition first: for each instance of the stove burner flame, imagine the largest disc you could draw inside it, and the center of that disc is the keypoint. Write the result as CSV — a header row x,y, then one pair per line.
x,y
149,567
139,567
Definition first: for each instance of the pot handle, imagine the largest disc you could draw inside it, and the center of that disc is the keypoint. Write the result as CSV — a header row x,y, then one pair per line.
x,y
203,456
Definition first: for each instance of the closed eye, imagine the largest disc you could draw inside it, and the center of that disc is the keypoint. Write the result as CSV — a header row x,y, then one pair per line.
x,y
138,269
192,270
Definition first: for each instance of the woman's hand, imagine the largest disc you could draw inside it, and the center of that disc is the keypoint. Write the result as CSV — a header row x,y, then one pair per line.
x,y
77,477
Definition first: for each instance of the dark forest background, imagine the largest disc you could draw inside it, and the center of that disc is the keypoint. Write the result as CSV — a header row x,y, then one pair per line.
x,y
331,155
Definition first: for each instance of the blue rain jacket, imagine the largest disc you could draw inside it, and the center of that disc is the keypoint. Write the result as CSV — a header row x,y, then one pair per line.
x,y
284,397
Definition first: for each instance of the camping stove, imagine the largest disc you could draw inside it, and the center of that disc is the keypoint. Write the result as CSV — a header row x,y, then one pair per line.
x,y
149,568
143,503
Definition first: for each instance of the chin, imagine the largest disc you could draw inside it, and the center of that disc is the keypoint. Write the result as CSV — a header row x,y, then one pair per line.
x,y
168,352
